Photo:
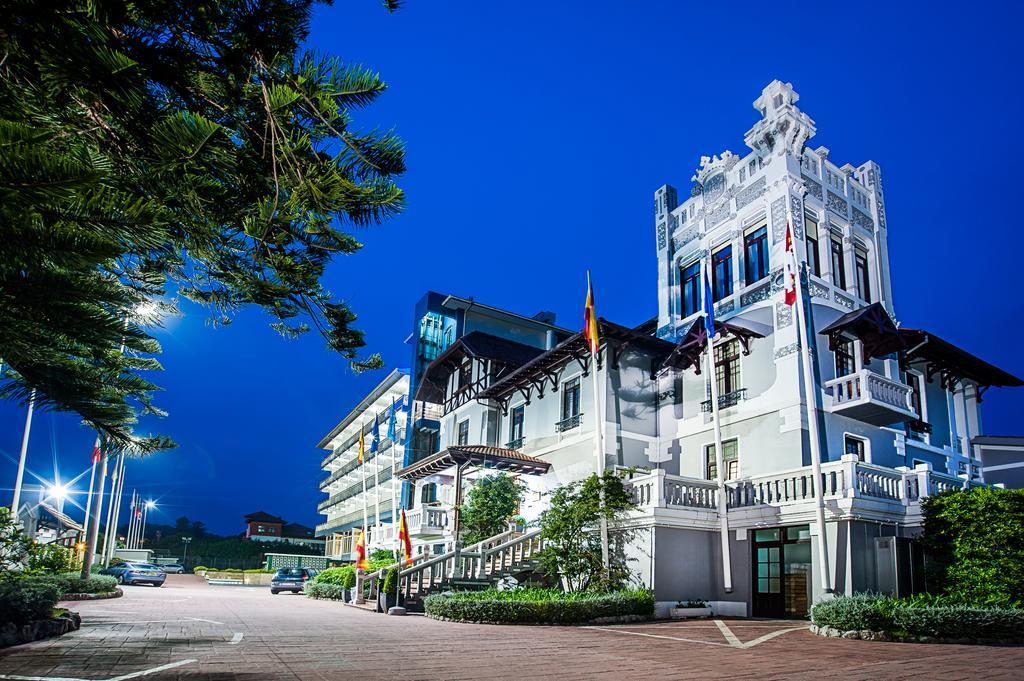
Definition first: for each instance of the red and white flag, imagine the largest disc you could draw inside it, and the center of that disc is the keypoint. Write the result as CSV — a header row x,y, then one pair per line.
x,y
790,267
96,452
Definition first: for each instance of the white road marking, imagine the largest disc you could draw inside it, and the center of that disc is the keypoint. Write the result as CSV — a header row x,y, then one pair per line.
x,y
123,677
182,619
235,639
732,640
200,619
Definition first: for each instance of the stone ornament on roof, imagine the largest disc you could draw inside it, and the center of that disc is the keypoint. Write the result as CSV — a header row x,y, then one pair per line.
x,y
783,127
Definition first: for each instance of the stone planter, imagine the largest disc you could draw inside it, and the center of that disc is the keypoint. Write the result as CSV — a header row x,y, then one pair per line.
x,y
389,600
257,578
688,613
13,634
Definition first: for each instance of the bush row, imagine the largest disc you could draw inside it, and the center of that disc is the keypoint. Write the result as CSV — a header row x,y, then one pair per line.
x,y
26,598
920,616
324,591
538,606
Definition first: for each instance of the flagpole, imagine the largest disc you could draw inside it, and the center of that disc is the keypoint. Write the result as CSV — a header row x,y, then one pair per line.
x,y
16,500
117,513
376,476
393,436
362,466
591,334
723,499
811,393
114,481
88,497
94,524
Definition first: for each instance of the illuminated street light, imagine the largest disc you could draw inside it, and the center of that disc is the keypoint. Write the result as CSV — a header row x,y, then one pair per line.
x,y
58,492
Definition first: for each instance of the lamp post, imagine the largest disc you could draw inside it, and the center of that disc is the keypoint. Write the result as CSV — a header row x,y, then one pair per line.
x,y
145,515
184,553
21,459
59,493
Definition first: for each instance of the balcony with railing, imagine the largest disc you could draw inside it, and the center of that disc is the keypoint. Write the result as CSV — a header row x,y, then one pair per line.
x,y
515,444
730,399
870,397
569,423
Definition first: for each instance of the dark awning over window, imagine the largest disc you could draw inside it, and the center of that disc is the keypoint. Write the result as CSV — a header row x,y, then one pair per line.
x,y
688,350
496,458
951,363
475,344
872,325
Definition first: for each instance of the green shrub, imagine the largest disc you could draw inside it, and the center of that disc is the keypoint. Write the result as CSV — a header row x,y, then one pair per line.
x,y
325,591
52,558
258,571
382,554
342,576
197,568
960,621
390,584
846,613
26,598
538,606
95,584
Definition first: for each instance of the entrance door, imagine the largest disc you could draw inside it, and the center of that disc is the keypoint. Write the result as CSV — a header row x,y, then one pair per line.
x,y
781,572
769,600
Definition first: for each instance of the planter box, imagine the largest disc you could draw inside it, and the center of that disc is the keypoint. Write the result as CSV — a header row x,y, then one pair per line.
x,y
687,613
389,600
257,578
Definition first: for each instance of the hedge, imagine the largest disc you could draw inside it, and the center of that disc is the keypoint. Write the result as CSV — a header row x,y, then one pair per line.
x,y
95,584
340,576
537,606
27,598
324,591
935,617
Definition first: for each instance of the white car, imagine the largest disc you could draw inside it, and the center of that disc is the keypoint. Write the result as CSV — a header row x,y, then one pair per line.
x,y
173,569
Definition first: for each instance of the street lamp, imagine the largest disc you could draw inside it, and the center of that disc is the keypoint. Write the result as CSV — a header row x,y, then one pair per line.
x,y
184,554
145,515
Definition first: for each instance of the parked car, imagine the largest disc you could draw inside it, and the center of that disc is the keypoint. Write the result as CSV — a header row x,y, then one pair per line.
x,y
136,573
291,579
173,569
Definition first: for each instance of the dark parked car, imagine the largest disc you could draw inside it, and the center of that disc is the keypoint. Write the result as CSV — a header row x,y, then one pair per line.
x,y
291,579
136,573
173,569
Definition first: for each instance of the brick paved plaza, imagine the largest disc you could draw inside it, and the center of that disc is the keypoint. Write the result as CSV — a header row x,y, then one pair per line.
x,y
189,630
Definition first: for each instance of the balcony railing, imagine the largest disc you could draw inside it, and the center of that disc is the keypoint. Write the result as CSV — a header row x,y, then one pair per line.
x,y
515,444
726,400
569,423
871,398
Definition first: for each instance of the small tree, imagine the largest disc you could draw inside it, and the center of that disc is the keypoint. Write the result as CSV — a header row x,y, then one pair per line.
x,y
570,528
15,546
490,506
975,542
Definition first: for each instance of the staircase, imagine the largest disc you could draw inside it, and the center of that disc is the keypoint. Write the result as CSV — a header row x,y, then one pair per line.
x,y
478,566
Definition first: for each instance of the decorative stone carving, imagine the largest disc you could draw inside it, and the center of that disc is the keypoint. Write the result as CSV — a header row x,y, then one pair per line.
x,y
783,315
797,204
725,308
756,295
779,219
662,236
754,191
783,127
813,188
778,281
688,235
787,350
863,220
718,214
836,203
845,301
712,165
665,331
819,291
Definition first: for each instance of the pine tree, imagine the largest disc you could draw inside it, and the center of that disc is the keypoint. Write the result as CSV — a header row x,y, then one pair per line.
x,y
169,147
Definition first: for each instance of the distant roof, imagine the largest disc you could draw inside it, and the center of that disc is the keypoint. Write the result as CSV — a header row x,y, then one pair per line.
x,y
381,388
263,517
873,326
475,344
495,458
297,531
999,440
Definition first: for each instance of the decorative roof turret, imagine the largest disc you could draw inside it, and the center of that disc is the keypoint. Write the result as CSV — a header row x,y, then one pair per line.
x,y
783,127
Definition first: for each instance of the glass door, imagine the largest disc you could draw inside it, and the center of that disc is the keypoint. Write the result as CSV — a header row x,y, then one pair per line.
x,y
768,597
782,572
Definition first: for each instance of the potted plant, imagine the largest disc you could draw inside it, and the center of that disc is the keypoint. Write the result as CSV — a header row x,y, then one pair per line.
x,y
520,523
690,608
389,596
348,583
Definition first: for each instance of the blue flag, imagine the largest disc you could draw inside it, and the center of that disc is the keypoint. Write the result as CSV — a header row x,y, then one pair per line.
x,y
393,423
709,309
374,436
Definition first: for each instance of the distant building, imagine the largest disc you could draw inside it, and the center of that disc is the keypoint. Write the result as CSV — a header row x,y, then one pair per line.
x,y
262,526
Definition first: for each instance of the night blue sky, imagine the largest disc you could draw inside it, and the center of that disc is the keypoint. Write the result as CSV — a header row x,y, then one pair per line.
x,y
537,133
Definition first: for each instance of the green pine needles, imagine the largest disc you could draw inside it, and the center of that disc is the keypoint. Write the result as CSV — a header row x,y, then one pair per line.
x,y
161,148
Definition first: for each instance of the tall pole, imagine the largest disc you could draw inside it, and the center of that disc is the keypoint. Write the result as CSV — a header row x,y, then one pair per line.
x,y
88,497
591,333
94,519
117,513
723,500
111,529
16,501
362,467
131,519
394,495
811,393
145,517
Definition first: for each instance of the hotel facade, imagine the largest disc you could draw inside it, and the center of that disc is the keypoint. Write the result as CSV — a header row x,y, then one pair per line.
x,y
893,413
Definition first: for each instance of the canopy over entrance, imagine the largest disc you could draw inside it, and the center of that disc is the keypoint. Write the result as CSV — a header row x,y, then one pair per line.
x,y
689,348
872,326
497,458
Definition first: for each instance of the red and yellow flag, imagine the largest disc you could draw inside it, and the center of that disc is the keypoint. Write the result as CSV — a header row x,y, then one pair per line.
x,y
361,447
361,562
590,320
404,539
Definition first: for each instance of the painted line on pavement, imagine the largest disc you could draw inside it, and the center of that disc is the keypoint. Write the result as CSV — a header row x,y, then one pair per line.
x,y
236,639
732,640
123,677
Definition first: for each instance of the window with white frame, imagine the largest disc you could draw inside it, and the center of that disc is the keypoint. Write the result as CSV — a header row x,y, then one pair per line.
x,y
571,398
462,433
856,446
515,424
811,240
863,274
730,459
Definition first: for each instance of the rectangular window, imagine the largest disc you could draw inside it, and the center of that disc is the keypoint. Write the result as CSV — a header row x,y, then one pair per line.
x,y
855,446
571,399
691,289
863,276
846,362
755,254
811,237
515,424
462,437
465,374
727,368
838,265
721,273
730,457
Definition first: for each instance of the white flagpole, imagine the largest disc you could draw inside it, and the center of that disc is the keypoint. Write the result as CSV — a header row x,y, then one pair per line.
x,y
811,393
394,482
16,501
723,500
88,497
595,353
112,504
362,466
376,485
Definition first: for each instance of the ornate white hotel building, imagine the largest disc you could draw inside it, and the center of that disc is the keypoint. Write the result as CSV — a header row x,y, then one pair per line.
x,y
896,407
